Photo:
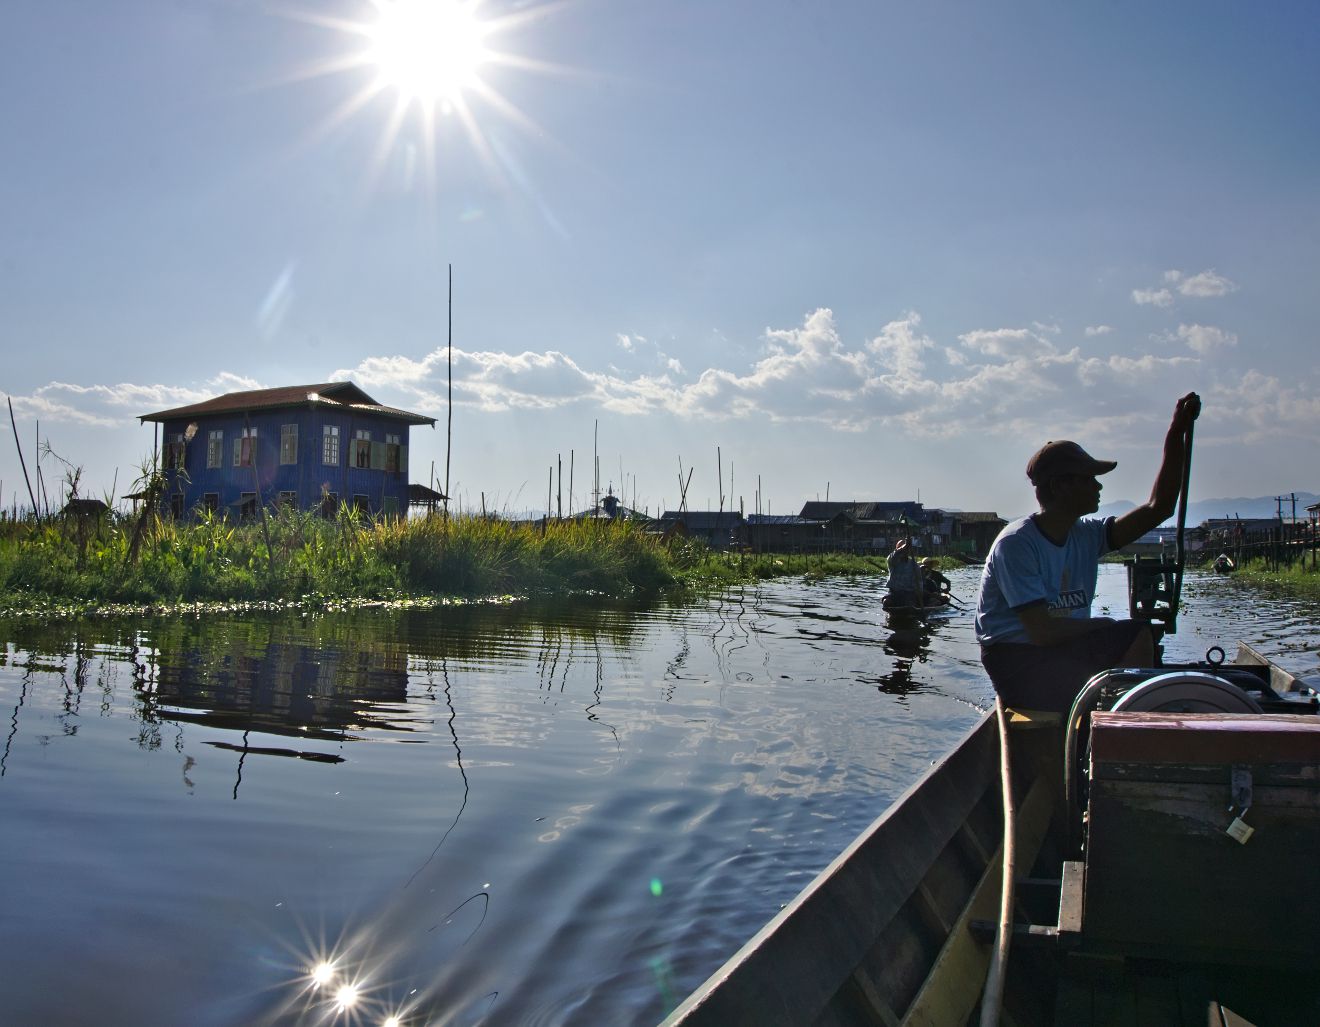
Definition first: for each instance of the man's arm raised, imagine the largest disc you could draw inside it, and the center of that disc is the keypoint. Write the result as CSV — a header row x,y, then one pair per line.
x,y
1168,482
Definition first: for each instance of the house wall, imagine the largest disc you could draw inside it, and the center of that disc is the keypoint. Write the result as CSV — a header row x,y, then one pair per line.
x,y
308,478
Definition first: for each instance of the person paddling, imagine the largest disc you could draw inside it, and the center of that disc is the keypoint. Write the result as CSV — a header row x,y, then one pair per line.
x,y
1039,642
904,582
935,586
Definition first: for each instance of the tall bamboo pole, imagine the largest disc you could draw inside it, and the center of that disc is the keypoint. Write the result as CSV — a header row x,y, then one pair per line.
x,y
449,427
23,463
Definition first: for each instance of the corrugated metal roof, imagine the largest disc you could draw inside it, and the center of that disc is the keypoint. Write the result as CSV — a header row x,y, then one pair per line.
x,y
705,518
345,395
861,510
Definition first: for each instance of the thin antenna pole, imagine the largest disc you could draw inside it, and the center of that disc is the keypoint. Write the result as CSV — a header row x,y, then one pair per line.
x,y
449,427
570,482
719,472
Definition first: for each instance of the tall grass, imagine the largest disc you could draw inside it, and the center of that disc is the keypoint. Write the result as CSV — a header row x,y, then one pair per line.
x,y
305,558
302,555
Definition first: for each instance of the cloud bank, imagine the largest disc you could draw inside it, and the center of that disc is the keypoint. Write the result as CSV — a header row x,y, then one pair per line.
x,y
1003,382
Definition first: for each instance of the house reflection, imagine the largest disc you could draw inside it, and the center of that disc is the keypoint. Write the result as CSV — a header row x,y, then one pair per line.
x,y
307,691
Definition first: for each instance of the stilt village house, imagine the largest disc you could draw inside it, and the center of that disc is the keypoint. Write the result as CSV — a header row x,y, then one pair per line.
x,y
310,446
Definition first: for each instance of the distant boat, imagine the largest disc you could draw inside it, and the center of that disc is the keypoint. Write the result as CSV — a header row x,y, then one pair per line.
x,y
902,612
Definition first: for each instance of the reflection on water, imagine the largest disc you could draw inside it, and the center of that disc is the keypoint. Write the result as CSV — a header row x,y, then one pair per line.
x,y
519,814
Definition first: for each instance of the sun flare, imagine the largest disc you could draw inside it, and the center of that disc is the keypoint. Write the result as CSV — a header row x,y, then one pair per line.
x,y
433,71
428,50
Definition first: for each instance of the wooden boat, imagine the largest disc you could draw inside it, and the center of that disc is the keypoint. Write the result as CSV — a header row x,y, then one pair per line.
x,y
1162,917
900,612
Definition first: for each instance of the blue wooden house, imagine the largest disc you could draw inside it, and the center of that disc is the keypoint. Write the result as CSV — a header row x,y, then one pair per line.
x,y
309,446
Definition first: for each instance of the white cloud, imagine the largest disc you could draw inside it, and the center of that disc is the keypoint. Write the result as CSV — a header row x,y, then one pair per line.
x,y
1206,284
1203,338
1006,342
1003,383
1258,407
1152,297
625,342
1202,285
108,406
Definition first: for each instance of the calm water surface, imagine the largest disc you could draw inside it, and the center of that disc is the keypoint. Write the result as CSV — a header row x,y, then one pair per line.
x,y
504,815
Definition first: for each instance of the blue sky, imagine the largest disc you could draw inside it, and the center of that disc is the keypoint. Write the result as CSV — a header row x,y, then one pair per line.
x,y
881,249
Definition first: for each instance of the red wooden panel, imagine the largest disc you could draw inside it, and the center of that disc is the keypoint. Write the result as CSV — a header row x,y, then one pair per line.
x,y
1262,738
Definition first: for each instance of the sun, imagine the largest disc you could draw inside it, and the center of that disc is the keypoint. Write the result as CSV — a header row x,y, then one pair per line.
x,y
428,50
432,68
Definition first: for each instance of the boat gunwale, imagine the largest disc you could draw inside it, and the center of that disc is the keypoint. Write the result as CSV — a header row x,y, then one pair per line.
x,y
732,992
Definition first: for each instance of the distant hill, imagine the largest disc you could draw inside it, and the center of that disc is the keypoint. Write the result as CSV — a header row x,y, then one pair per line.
x,y
1239,506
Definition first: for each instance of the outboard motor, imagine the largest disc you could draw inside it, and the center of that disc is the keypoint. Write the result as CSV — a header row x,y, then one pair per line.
x,y
1210,687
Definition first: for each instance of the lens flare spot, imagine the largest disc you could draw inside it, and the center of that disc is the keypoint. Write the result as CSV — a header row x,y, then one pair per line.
x,y
322,974
346,997
656,887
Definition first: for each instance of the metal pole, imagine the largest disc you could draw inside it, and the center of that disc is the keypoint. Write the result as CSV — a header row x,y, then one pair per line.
x,y
1182,521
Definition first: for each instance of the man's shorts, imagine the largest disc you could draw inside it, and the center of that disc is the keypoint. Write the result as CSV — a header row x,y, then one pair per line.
x,y
1039,677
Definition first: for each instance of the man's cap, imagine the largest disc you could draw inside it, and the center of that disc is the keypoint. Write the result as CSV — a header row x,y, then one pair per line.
x,y
929,561
1057,458
900,544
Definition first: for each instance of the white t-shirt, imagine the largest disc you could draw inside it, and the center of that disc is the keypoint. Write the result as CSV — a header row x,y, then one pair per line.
x,y
1025,567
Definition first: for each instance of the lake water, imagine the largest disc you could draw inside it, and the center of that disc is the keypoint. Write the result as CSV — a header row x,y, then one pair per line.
x,y
482,814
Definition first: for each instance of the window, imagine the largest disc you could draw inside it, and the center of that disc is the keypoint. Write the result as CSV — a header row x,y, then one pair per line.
x,y
362,448
247,506
391,508
329,503
330,445
289,499
211,500
215,448
288,444
176,506
175,451
361,506
245,447
392,454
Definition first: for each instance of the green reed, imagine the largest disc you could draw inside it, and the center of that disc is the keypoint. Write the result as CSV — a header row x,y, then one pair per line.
x,y
304,558
302,555
1300,580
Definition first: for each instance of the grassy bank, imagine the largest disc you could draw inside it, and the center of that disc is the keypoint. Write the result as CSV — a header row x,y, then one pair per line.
x,y
301,558
1297,581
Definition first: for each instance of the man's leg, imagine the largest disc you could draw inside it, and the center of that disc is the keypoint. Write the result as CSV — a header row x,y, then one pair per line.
x,y
1141,653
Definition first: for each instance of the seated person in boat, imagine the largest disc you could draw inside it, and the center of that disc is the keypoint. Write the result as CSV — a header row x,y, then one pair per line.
x,y
934,585
904,582
1039,642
